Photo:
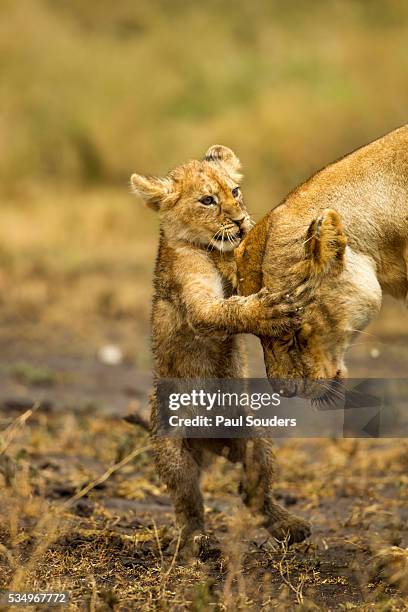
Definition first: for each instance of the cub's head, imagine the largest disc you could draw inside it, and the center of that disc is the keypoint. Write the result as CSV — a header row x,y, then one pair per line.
x,y
199,202
340,284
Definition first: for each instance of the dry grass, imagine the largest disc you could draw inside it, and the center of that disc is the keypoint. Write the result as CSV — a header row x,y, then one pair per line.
x,y
71,519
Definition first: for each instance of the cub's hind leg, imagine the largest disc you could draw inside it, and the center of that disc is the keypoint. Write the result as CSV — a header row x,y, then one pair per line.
x,y
258,462
179,469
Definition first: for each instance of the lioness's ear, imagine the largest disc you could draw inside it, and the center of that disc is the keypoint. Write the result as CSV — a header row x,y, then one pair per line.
x,y
326,243
153,191
218,154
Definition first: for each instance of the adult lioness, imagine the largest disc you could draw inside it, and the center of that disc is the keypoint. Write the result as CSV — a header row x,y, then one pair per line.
x,y
345,231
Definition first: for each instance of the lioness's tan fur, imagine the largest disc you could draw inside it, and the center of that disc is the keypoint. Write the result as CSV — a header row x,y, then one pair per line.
x,y
362,201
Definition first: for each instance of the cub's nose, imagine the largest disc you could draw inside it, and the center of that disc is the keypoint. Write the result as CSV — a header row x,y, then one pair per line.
x,y
239,222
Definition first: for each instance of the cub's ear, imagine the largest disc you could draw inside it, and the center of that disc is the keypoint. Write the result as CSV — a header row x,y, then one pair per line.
x,y
218,154
154,191
326,243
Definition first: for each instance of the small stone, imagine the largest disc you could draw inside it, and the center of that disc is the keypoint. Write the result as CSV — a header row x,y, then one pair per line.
x,y
110,354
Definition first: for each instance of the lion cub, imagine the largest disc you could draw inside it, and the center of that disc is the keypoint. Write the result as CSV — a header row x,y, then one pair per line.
x,y
196,316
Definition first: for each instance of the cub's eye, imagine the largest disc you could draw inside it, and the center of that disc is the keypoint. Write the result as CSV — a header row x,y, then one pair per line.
x,y
207,200
235,192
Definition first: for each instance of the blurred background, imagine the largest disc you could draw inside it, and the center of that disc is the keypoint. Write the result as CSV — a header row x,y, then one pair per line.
x,y
91,93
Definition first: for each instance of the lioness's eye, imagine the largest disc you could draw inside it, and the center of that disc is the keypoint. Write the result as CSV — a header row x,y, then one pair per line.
x,y
235,192
207,200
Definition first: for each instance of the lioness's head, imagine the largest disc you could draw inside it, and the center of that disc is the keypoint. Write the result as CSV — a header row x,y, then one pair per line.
x,y
342,286
200,202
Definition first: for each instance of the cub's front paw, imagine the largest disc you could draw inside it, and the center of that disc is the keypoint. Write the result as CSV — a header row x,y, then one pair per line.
x,y
274,314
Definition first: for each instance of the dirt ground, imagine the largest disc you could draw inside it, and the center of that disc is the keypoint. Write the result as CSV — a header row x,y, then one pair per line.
x,y
68,523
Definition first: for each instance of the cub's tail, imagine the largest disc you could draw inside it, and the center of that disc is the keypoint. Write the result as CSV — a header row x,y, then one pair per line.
x,y
137,419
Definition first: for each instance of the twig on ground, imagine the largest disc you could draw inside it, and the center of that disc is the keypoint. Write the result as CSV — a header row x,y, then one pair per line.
x,y
19,422
104,477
